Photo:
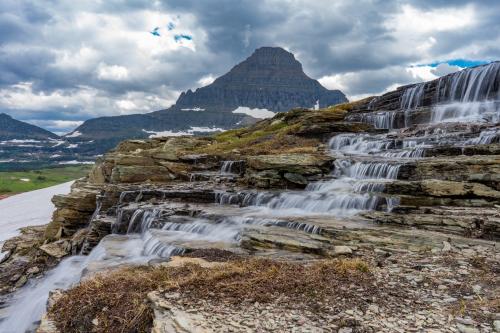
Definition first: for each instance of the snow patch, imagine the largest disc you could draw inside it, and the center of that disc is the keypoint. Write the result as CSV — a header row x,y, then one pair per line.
x,y
205,129
55,156
19,141
58,143
73,134
193,109
191,131
73,162
30,208
73,145
255,113
155,134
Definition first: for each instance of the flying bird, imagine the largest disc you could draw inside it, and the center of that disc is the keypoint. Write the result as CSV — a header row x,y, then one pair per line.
x,y
155,32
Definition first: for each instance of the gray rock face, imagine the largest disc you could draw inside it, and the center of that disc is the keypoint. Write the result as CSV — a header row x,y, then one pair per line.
x,y
271,78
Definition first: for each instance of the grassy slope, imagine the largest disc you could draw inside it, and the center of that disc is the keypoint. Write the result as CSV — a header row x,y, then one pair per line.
x,y
11,183
275,135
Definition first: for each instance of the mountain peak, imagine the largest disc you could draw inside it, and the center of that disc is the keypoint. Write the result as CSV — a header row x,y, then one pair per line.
x,y
273,56
270,78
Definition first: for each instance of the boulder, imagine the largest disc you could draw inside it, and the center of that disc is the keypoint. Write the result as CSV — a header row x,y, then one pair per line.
x,y
139,173
57,249
304,164
296,179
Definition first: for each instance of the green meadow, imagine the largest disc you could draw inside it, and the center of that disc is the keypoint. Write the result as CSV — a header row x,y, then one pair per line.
x,y
12,182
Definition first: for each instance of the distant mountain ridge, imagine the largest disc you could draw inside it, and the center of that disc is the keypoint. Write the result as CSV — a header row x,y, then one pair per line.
x,y
25,146
271,78
12,129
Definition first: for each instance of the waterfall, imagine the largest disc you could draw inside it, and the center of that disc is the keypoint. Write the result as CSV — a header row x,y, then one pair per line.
x,y
412,97
354,188
485,137
231,167
470,85
380,120
486,111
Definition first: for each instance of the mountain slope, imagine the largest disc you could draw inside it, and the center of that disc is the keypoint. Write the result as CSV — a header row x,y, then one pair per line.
x,y
11,129
271,79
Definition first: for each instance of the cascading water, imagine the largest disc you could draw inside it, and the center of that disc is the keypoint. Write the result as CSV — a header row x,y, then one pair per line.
x,y
366,161
231,167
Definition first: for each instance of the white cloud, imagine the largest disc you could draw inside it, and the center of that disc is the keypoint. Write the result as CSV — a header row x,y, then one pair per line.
x,y
22,96
114,72
126,105
83,58
415,31
445,69
206,80
414,21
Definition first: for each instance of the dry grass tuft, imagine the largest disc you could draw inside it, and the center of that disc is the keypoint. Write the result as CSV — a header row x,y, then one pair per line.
x,y
117,300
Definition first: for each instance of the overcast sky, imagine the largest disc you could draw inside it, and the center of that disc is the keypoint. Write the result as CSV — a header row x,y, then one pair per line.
x,y
64,61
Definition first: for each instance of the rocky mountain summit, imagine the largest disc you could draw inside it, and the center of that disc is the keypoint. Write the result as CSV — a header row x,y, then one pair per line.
x,y
381,215
271,79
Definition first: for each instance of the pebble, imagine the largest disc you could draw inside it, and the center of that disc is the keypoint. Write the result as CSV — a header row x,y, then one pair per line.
x,y
496,326
345,330
467,329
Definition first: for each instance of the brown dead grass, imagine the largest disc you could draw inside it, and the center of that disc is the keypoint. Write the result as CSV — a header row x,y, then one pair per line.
x,y
476,309
117,301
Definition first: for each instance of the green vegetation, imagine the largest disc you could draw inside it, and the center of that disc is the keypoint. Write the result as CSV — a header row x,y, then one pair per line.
x,y
12,182
285,132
